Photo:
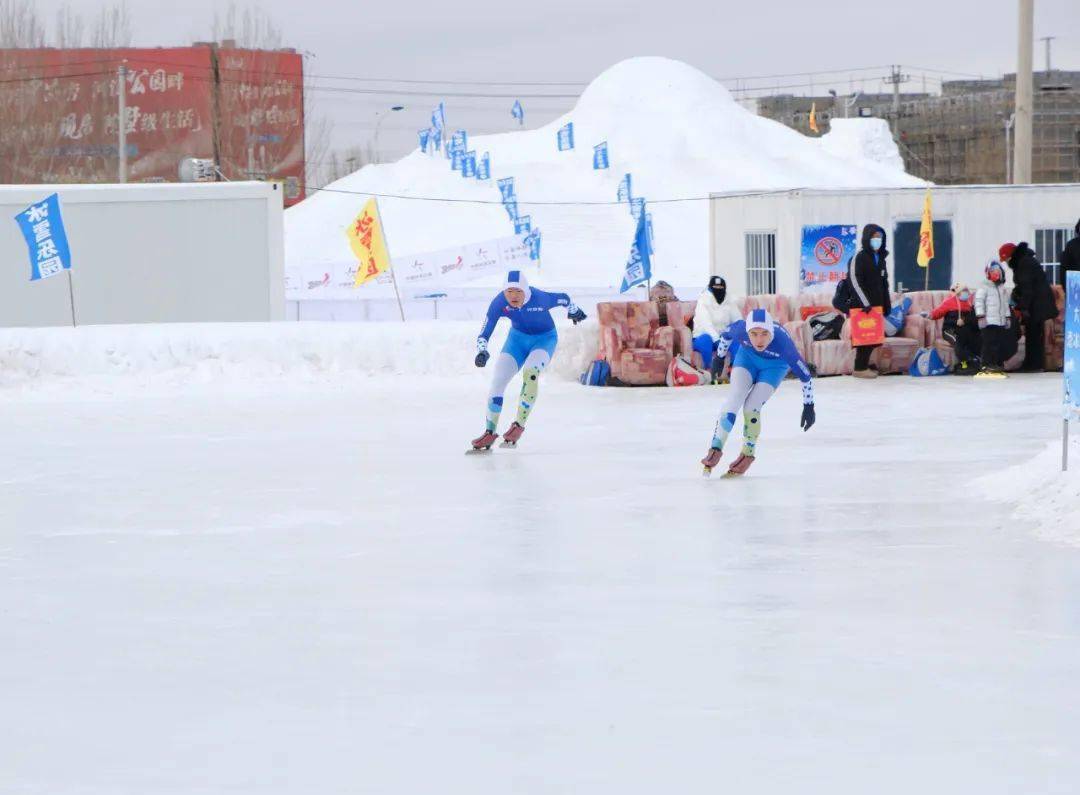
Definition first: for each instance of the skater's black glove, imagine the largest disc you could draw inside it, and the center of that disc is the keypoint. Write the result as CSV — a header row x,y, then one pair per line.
x,y
808,417
576,315
482,358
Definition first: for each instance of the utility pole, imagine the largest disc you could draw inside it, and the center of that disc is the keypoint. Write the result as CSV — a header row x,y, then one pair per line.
x,y
1025,90
895,79
121,126
1048,39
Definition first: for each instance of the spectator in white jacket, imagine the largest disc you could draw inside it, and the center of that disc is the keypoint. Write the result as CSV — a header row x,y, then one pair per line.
x,y
712,316
995,315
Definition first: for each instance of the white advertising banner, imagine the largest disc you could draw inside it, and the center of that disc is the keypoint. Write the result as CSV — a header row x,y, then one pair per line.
x,y
417,276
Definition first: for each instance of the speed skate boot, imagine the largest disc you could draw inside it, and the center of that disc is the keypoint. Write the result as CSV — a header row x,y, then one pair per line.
x,y
482,444
513,433
740,465
711,459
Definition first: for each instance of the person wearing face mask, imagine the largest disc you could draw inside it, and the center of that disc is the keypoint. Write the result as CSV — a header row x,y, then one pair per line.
x,y
869,279
713,315
960,328
994,314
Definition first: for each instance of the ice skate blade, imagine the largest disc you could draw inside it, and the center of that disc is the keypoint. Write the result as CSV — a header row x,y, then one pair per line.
x,y
729,475
508,445
478,451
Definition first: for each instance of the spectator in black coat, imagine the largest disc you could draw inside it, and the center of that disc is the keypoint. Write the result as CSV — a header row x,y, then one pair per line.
x,y
870,287
1033,299
1070,256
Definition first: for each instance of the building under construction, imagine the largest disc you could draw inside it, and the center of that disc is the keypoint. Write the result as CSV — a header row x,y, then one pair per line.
x,y
964,136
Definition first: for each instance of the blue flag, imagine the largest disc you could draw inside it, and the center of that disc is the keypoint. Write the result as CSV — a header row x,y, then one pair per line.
x,y
468,164
483,168
566,137
522,224
624,189
518,112
637,208
438,118
506,188
459,142
532,240
457,160
436,139
639,265
425,139
648,229
600,156
511,208
46,239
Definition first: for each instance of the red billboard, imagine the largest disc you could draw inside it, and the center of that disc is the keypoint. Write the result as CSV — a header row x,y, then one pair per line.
x,y
59,114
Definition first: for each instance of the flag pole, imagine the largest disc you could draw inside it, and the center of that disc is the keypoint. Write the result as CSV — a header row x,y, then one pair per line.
x,y
926,284
71,298
390,259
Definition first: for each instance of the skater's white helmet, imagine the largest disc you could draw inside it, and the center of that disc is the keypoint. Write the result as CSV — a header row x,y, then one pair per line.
x,y
760,318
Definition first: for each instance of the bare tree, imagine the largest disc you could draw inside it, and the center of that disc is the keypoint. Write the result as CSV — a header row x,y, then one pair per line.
x,y
69,30
112,28
20,25
250,27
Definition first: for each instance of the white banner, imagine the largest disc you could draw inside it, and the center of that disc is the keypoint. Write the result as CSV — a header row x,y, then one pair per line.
x,y
418,275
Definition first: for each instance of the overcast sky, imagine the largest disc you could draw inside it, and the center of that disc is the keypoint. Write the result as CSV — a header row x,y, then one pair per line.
x,y
574,40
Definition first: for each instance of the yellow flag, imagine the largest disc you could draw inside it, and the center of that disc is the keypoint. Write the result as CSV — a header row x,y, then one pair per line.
x,y
368,243
926,234
813,117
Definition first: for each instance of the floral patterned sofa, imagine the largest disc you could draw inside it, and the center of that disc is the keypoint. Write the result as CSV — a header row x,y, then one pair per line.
x,y
634,343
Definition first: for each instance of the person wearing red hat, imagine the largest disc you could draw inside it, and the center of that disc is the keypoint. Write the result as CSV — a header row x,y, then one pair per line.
x,y
1033,299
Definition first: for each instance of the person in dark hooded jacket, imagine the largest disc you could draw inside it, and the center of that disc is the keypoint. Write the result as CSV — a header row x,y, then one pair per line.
x,y
870,287
1033,299
1070,257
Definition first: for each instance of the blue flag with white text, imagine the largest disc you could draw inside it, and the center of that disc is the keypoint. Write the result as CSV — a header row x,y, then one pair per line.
x,y
600,156
506,188
42,226
624,189
566,137
639,265
518,112
483,168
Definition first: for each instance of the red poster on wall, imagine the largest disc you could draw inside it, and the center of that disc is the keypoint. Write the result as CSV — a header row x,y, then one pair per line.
x,y
60,115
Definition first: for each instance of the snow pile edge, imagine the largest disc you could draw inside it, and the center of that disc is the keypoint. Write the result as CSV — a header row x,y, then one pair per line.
x,y
1041,497
240,351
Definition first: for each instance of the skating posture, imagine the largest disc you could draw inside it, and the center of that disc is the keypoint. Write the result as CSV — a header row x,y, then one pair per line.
x,y
761,353
529,347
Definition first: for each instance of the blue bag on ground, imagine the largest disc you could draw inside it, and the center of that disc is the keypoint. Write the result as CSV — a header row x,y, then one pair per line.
x,y
597,374
894,321
927,362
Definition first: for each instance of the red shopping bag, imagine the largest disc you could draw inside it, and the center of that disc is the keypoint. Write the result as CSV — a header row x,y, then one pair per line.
x,y
867,328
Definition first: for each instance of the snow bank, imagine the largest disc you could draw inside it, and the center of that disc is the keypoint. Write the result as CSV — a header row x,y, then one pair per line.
x,y
870,139
244,351
1042,497
676,130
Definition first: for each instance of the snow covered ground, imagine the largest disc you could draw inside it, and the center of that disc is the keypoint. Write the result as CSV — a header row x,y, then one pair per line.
x,y
219,579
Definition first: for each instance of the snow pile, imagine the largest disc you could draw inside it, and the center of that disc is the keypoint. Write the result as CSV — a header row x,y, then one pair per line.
x,y
870,139
1042,497
210,352
678,133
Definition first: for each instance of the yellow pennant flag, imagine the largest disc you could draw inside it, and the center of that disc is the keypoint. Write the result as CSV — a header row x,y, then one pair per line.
x,y
813,117
926,234
368,243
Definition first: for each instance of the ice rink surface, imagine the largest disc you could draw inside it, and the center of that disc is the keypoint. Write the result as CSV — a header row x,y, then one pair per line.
x,y
308,588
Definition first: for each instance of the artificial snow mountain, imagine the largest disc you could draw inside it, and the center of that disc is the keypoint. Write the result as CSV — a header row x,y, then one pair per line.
x,y
678,132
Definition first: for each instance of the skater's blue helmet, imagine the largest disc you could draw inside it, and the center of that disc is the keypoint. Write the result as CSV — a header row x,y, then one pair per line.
x,y
760,318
